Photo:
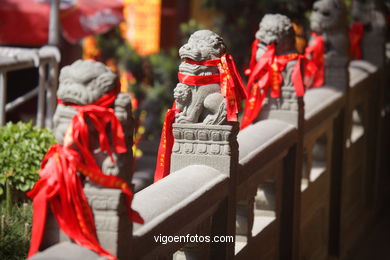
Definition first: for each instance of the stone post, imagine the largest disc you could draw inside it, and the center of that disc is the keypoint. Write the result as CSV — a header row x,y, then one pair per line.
x,y
113,227
202,134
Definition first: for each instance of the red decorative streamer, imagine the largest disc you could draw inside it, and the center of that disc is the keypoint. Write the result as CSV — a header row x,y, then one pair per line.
x,y
163,165
232,88
356,32
59,186
266,76
252,62
315,65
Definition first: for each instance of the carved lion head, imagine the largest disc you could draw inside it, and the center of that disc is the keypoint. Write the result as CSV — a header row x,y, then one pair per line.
x,y
85,81
326,15
203,45
273,28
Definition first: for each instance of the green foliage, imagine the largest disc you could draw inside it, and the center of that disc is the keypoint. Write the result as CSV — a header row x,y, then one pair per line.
x,y
22,147
15,231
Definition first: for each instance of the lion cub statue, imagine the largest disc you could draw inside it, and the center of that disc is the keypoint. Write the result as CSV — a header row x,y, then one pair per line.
x,y
202,103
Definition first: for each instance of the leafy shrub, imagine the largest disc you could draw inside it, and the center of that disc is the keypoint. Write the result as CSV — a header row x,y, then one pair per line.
x,y
22,147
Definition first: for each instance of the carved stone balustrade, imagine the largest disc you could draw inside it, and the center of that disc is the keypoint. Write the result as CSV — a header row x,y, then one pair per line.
x,y
177,205
267,157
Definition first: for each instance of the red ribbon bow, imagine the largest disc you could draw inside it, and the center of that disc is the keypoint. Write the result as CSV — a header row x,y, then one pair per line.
x,y
266,76
315,62
232,88
356,32
61,188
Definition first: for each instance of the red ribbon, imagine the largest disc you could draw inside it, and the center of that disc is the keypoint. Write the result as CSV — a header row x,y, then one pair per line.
x,y
315,65
61,188
266,76
355,37
232,88
163,165
252,62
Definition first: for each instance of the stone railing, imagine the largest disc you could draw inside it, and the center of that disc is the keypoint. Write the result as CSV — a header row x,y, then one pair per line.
x,y
304,189
46,59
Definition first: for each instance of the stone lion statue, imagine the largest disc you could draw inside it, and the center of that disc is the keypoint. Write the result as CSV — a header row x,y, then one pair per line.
x,y
200,104
277,29
368,13
82,83
374,37
328,19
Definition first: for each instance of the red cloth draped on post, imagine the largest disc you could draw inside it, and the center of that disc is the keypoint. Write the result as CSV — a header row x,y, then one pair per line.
x,y
266,76
356,32
232,88
60,187
315,66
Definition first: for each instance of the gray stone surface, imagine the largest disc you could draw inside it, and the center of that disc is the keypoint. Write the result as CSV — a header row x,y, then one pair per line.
x,y
328,19
360,70
258,136
318,99
178,204
82,83
211,145
66,251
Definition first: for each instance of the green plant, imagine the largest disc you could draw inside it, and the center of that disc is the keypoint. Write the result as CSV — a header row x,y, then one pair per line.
x,y
22,147
15,231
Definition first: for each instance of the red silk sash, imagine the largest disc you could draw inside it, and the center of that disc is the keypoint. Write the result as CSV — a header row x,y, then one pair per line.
x,y
61,188
315,66
252,62
266,76
163,165
356,32
232,88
